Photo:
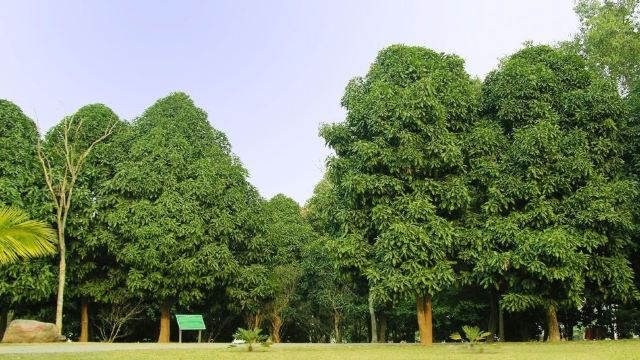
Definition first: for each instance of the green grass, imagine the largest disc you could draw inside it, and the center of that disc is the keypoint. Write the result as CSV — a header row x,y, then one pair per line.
x,y
583,350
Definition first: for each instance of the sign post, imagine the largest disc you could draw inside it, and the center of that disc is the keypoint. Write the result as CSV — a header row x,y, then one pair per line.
x,y
191,322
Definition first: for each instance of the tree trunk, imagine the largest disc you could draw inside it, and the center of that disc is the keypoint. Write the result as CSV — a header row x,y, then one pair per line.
x,y
84,321
61,274
165,322
501,335
382,337
336,326
425,324
254,321
276,328
552,325
374,325
493,315
569,329
4,320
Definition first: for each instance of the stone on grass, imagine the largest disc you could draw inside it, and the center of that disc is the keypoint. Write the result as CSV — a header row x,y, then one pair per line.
x,y
31,331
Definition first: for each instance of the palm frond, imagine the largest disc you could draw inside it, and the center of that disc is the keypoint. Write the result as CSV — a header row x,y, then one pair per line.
x,y
21,237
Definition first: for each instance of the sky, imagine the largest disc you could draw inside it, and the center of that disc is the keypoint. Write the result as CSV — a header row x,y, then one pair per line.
x,y
268,73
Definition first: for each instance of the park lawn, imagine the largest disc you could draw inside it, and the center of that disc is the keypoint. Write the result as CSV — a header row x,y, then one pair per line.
x,y
583,350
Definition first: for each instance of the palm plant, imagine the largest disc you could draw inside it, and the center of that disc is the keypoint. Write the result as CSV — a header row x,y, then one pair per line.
x,y
472,333
251,337
21,237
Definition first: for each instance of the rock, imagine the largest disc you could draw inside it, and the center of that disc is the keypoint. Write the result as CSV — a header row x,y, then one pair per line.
x,y
31,331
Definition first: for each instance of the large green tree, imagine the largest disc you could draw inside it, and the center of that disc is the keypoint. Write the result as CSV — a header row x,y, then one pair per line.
x,y
181,202
558,212
609,39
398,169
24,282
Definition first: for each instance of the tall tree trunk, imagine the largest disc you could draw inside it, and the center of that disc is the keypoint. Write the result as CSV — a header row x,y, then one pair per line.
x,y
382,337
552,325
61,274
165,322
569,329
276,328
493,315
336,326
425,322
4,320
254,321
84,321
501,323
374,325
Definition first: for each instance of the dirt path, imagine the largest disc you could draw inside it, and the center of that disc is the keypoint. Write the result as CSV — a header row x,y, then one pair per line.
x,y
90,347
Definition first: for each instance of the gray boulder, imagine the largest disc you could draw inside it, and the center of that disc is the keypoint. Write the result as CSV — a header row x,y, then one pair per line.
x,y
31,331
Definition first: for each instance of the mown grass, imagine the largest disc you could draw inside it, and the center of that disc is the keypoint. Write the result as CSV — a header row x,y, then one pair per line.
x,y
583,350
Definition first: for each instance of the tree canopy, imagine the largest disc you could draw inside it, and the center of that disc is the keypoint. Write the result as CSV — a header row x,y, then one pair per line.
x,y
398,169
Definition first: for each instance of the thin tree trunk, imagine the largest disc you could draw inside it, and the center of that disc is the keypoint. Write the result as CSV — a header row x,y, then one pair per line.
x,y
552,325
425,321
4,320
336,326
501,324
61,274
165,322
374,325
254,321
84,321
276,328
493,315
569,330
382,337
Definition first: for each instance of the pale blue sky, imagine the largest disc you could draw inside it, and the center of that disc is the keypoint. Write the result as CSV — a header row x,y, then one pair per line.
x,y
267,72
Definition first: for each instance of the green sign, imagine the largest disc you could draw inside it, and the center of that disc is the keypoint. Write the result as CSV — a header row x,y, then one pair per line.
x,y
190,322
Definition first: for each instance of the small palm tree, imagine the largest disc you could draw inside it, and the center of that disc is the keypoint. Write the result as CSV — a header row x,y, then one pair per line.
x,y
472,333
23,238
251,337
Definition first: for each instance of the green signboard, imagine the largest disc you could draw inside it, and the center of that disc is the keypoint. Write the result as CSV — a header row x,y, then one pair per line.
x,y
190,322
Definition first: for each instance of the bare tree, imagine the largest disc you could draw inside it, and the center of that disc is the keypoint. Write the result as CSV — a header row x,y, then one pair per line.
x,y
60,182
110,322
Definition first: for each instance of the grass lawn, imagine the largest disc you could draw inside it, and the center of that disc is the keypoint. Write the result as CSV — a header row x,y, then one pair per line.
x,y
583,350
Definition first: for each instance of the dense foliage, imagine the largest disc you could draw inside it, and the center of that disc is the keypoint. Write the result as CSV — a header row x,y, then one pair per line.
x,y
399,171
508,204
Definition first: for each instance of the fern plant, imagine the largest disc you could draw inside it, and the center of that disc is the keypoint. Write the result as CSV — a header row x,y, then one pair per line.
x,y
472,333
252,337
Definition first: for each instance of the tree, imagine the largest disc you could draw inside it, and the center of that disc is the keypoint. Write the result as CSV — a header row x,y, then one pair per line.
x,y
610,41
331,291
559,214
62,158
181,204
483,146
398,169
25,282
21,238
93,272
285,279
270,265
